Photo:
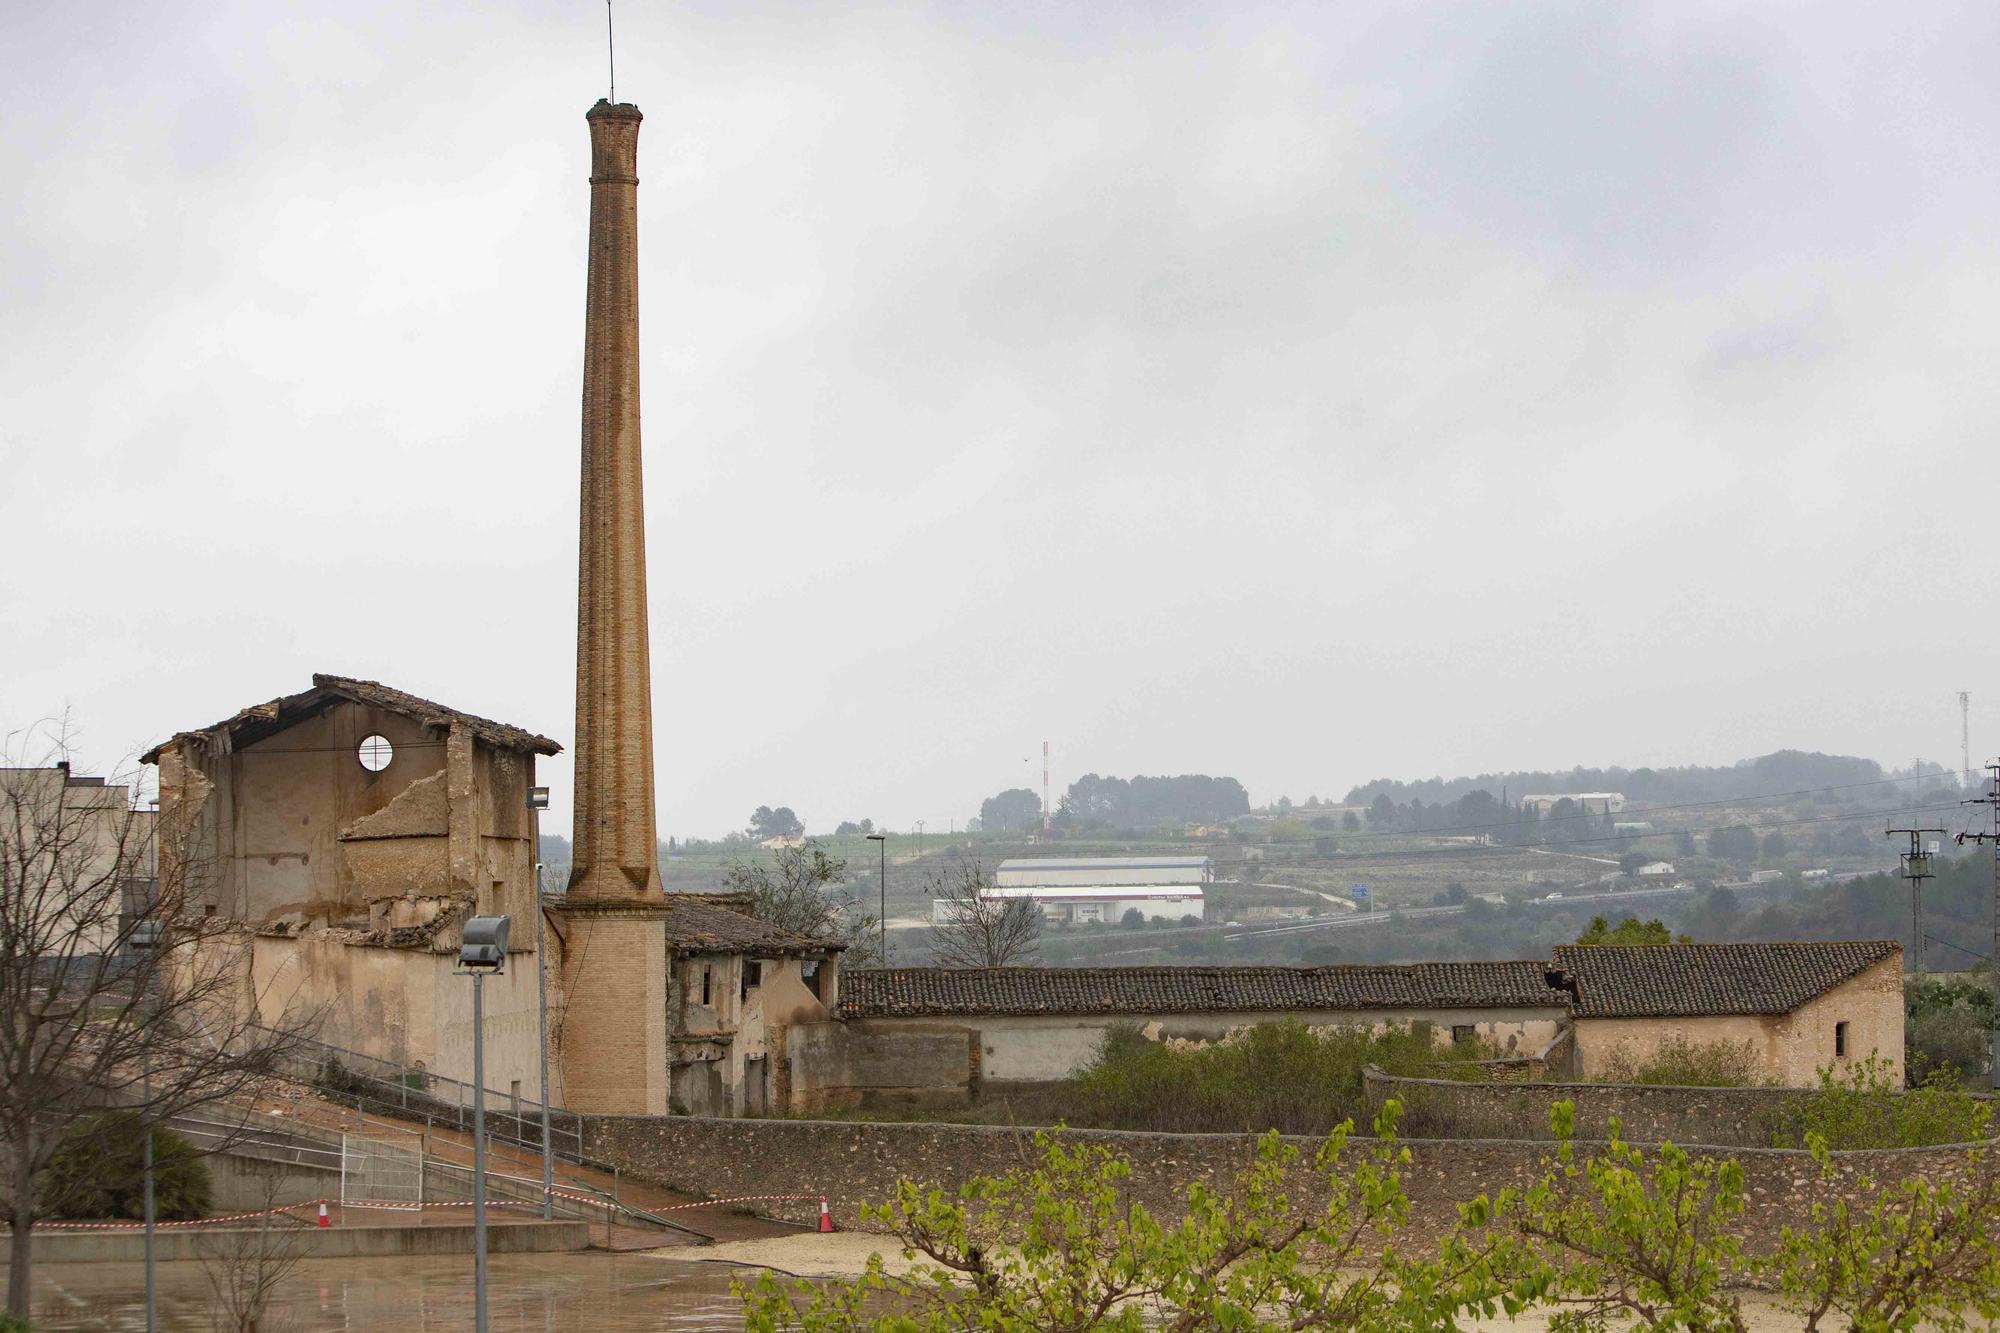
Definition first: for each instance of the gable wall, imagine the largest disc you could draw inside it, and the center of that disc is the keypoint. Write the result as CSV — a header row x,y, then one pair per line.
x,y
1789,1048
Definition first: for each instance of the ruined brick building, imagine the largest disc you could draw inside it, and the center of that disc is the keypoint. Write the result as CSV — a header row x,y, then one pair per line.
x,y
348,830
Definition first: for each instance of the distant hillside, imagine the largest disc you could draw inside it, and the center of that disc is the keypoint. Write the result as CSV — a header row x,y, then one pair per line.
x,y
1781,771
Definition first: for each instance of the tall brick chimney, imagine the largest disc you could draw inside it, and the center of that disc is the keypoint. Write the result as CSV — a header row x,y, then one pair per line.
x,y
614,858
613,1028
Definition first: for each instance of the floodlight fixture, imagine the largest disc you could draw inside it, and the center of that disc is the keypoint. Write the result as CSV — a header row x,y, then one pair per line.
x,y
482,946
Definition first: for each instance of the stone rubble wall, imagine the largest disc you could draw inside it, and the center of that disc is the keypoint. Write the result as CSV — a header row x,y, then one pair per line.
x,y
854,1163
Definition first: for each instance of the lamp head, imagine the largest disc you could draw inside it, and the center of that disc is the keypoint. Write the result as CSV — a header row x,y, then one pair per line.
x,y
482,946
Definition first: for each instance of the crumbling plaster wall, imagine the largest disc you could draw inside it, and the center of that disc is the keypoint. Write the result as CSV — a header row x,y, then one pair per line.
x,y
408,1006
1789,1048
293,826
714,1044
267,817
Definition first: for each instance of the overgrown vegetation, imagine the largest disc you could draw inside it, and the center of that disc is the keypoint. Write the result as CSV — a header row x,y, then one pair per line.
x,y
1679,1063
1282,1076
1862,1107
1947,1026
98,1171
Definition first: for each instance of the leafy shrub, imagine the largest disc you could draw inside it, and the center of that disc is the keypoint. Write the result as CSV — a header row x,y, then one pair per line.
x,y
1680,1063
1946,1026
1863,1107
99,1171
1282,1076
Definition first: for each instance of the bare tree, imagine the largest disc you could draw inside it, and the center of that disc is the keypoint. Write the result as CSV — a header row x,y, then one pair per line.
x,y
245,1265
972,927
801,890
115,987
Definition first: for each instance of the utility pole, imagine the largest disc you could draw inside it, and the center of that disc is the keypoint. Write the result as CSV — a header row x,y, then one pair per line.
x,y
538,801
881,841
1917,869
1992,803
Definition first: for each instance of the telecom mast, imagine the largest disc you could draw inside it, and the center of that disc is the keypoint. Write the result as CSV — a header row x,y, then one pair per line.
x,y
1045,791
1965,734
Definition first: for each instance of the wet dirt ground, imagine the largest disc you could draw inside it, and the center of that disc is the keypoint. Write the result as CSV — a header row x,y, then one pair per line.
x,y
547,1293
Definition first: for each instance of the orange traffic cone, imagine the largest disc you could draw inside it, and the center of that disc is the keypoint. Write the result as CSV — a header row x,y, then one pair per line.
x,y
322,1214
825,1217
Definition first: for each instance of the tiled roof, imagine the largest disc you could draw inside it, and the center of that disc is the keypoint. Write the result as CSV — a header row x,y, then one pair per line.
x,y
264,719
1688,980
437,715
918,991
698,924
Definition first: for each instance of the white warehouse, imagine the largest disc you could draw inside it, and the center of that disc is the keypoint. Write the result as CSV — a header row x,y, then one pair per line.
x,y
1104,888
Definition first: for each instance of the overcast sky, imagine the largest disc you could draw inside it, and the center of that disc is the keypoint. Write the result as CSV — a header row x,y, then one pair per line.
x,y
1303,393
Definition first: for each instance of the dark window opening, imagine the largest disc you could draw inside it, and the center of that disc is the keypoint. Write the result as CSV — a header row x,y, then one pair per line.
x,y
1463,1034
704,985
809,973
1840,1040
753,975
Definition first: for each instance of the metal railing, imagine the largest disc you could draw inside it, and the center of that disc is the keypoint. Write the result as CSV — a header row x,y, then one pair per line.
x,y
368,1080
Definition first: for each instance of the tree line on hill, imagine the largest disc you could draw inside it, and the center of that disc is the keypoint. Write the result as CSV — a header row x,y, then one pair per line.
x,y
1779,771
1095,803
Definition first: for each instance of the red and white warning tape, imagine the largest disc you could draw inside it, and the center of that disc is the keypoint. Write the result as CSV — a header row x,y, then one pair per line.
x,y
193,1222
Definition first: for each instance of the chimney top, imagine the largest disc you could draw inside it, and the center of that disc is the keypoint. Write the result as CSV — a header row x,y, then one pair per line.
x,y
606,110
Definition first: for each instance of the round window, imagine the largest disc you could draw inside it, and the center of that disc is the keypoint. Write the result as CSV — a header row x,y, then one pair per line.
x,y
375,752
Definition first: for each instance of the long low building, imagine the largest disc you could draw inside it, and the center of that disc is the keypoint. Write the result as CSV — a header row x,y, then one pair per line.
x,y
1072,872
1039,1024
1098,903
934,1036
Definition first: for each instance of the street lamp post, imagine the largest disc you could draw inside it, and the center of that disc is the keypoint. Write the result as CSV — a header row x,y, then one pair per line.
x,y
538,801
881,840
146,935
482,952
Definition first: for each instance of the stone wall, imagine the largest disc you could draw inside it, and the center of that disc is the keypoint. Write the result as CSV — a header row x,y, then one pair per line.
x,y
859,1064
855,1163
1717,1117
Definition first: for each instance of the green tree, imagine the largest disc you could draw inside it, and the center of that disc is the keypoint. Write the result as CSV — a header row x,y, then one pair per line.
x,y
1773,846
1062,1245
1629,931
1917,1254
800,889
1946,1025
1617,1237
98,1171
779,823
1016,810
